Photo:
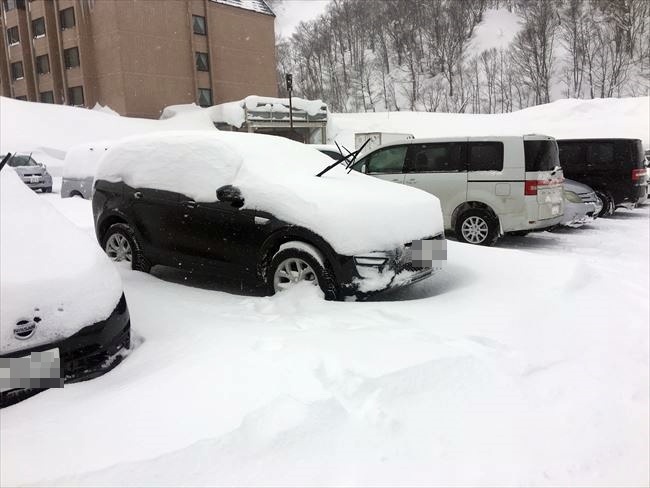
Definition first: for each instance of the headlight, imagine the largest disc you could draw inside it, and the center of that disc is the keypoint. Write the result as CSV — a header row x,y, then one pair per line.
x,y
369,261
572,197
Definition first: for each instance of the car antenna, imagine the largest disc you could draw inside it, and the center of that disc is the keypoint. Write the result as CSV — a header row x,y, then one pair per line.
x,y
5,160
349,159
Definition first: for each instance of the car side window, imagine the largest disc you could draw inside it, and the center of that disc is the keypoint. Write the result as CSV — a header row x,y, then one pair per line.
x,y
572,155
445,157
485,156
601,154
388,160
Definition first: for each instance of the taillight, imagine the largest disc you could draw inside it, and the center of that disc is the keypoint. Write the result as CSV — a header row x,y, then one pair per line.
x,y
530,187
637,174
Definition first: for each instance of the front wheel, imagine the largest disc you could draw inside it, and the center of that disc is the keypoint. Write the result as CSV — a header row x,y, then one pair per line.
x,y
121,244
477,226
47,190
291,266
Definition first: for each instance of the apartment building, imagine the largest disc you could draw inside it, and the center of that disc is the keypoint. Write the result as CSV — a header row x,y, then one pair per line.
x,y
136,56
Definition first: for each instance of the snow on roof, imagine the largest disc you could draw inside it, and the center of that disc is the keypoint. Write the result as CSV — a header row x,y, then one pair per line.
x,y
51,269
259,6
353,212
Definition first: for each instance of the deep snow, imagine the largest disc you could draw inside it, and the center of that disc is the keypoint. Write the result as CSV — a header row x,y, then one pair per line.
x,y
525,364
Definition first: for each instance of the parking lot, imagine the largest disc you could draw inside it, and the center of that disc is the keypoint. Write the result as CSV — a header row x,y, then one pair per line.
x,y
527,361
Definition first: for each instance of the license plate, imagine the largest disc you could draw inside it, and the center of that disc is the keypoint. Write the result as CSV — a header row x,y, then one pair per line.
x,y
34,179
555,210
38,370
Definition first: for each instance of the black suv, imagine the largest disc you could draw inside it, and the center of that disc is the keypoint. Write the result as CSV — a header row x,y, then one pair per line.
x,y
270,221
614,168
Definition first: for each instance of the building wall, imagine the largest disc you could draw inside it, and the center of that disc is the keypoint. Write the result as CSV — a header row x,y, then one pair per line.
x,y
138,56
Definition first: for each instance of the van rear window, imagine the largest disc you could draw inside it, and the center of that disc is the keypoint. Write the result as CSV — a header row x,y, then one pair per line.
x,y
541,155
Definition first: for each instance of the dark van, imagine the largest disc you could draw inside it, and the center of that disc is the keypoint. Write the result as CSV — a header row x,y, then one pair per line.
x,y
614,168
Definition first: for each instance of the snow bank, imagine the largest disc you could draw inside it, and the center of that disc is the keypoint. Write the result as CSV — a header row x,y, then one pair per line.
x,y
27,126
607,117
355,213
81,161
50,269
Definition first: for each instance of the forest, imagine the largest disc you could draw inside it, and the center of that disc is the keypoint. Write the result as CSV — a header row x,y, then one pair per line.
x,y
378,55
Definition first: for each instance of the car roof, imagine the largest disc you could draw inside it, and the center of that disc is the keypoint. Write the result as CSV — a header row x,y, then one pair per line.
x,y
427,140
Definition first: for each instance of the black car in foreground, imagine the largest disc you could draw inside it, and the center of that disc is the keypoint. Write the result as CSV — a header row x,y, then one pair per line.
x,y
614,168
252,207
64,317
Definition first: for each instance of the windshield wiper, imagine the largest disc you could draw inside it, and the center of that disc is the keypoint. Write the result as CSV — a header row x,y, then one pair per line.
x,y
5,160
349,160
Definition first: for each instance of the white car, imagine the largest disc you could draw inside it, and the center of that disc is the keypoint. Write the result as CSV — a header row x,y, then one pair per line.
x,y
487,186
79,169
60,296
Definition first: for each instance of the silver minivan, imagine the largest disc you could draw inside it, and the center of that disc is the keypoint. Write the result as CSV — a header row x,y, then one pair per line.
x,y
487,186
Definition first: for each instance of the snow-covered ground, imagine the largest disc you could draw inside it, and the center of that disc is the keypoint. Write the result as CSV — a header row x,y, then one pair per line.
x,y
525,364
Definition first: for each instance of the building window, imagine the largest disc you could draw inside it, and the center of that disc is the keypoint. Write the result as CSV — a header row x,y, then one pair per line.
x,y
202,63
38,27
47,97
66,17
9,5
198,24
42,64
12,35
76,96
17,70
71,57
205,97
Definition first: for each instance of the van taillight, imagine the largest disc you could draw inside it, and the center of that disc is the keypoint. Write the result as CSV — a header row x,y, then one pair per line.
x,y
530,187
637,174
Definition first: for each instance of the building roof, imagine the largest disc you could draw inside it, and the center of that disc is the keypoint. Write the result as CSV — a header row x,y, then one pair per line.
x,y
259,6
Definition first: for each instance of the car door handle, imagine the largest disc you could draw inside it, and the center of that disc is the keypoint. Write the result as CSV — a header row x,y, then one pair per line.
x,y
411,181
190,204
396,180
137,195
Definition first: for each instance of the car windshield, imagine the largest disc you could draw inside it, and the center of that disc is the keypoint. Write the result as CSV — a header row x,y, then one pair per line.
x,y
22,161
541,155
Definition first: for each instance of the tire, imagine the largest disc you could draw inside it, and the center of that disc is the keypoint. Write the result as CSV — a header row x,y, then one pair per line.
x,y
122,233
290,256
47,190
481,227
608,203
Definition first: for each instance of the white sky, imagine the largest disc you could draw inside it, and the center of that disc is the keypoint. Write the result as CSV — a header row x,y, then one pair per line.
x,y
291,12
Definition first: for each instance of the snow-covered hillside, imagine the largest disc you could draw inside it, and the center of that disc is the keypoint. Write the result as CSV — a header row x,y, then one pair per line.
x,y
611,117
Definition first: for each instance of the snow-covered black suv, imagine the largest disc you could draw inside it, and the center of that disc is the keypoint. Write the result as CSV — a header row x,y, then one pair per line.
x,y
252,206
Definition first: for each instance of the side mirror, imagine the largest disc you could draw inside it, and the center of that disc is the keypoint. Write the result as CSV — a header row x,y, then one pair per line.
x,y
231,194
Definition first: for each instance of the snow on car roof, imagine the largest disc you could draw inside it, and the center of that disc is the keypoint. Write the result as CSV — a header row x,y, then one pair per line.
x,y
353,212
81,161
50,269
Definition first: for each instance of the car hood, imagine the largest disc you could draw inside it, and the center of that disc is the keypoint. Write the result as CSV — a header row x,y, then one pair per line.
x,y
354,212
53,274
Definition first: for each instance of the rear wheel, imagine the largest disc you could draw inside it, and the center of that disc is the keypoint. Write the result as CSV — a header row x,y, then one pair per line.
x,y
121,244
47,190
291,266
477,226
608,205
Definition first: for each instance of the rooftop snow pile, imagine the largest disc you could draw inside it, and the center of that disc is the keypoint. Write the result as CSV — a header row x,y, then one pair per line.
x,y
68,282
235,113
608,117
355,213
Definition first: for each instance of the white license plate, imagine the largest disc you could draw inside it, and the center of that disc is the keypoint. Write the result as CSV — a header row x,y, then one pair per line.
x,y
35,179
555,210
26,371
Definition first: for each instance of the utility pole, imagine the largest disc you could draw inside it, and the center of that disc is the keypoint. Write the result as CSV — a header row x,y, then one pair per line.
x,y
289,78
